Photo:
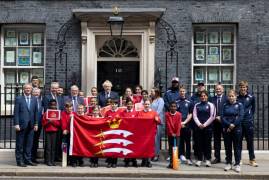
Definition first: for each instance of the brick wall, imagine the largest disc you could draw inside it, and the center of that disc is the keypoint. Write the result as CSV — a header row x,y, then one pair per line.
x,y
251,17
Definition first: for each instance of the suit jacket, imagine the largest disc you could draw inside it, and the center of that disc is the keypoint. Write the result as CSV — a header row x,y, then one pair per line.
x,y
40,110
102,97
80,100
223,100
48,97
24,115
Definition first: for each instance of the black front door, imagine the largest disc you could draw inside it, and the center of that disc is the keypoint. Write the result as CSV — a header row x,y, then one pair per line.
x,y
121,73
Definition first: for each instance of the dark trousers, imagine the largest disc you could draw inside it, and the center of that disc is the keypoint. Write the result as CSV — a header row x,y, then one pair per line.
x,y
217,131
24,143
36,142
171,145
248,133
185,139
94,160
203,137
58,145
232,140
50,145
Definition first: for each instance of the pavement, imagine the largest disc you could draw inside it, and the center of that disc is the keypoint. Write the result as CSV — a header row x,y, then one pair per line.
x,y
9,169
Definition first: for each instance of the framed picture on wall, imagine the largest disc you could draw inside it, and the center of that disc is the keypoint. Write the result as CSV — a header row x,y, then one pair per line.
x,y
24,77
199,37
213,37
199,54
24,39
227,54
226,37
10,34
226,74
214,50
213,75
212,59
37,38
199,74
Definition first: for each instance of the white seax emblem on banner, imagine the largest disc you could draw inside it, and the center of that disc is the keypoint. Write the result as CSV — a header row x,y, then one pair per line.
x,y
124,133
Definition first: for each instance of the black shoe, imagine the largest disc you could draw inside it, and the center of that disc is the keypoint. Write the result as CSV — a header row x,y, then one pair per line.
x,y
95,165
143,164
92,165
21,165
35,161
114,165
149,165
215,161
126,164
170,166
81,164
109,165
30,163
155,159
135,164
53,164
74,164
49,164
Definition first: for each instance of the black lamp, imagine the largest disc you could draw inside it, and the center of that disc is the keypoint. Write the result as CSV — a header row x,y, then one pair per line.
x,y
116,23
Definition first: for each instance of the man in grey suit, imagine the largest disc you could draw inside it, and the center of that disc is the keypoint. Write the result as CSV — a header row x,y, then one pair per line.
x,y
26,122
74,98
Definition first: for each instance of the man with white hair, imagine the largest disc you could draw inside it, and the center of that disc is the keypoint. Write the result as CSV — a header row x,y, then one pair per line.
x,y
74,98
25,121
53,95
107,93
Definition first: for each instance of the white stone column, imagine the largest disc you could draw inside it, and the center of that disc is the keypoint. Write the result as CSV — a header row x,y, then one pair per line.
x,y
83,55
151,55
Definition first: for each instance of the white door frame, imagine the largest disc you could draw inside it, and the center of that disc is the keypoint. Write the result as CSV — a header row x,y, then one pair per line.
x,y
89,53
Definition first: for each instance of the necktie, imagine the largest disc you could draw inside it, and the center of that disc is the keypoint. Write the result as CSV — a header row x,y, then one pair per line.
x,y
218,105
74,104
28,102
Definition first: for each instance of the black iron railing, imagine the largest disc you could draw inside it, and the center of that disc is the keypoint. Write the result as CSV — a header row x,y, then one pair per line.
x,y
9,92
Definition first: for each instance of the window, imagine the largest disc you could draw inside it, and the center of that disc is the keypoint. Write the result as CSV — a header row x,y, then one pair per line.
x,y
214,56
23,53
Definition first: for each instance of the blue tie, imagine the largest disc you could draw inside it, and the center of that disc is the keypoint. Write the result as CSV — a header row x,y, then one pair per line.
x,y
28,102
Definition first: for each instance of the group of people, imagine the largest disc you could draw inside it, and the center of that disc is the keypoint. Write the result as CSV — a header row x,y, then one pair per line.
x,y
183,118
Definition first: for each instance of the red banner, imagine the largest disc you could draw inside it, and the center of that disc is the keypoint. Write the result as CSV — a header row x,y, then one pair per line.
x,y
118,137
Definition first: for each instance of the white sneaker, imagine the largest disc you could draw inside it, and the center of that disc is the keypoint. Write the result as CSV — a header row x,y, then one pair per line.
x,y
241,163
189,162
228,167
198,163
182,158
237,168
168,159
207,163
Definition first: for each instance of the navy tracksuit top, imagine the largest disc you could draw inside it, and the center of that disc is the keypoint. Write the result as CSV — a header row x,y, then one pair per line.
x,y
203,111
184,106
248,102
232,114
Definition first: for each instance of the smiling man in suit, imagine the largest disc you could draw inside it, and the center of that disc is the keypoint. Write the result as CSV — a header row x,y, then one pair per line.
x,y
74,98
107,93
218,100
26,122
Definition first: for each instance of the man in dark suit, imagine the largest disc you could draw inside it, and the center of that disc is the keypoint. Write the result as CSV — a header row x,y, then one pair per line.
x,y
218,100
107,93
37,93
74,98
53,95
54,86
25,121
